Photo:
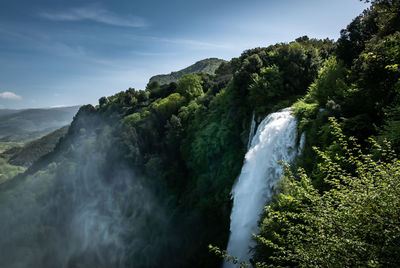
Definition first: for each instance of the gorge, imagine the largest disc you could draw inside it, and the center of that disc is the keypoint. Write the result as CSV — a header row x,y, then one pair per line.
x,y
146,178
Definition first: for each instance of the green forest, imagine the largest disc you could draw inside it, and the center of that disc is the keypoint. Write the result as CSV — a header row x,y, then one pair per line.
x,y
183,145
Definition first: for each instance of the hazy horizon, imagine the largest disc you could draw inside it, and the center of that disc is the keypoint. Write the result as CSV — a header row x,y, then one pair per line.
x,y
42,108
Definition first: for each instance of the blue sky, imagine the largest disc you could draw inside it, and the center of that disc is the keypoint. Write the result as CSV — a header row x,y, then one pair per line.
x,y
56,53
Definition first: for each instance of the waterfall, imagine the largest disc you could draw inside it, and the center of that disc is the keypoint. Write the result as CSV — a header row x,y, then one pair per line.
x,y
274,140
251,133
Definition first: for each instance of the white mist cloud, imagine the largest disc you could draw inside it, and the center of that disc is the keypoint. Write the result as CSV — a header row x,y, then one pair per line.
x,y
59,106
94,13
10,96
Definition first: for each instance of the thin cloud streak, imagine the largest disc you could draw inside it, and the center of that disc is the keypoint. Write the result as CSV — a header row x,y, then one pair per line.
x,y
58,106
192,43
96,14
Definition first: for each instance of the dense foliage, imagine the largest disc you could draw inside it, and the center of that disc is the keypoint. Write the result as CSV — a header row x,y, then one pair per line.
x,y
342,208
190,136
354,223
29,153
186,141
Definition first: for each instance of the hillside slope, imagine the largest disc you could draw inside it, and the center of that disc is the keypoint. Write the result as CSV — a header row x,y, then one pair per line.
x,y
17,157
207,66
29,153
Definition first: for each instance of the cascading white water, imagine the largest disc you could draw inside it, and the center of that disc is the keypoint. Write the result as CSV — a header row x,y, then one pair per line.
x,y
274,140
251,133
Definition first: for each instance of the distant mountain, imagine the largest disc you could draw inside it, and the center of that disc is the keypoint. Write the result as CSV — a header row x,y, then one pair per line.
x,y
8,111
29,124
204,66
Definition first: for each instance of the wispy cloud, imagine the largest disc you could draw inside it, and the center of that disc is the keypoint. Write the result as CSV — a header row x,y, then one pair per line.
x,y
94,13
192,43
58,106
153,54
10,96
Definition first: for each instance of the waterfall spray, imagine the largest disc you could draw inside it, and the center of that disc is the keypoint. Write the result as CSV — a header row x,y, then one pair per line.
x,y
275,140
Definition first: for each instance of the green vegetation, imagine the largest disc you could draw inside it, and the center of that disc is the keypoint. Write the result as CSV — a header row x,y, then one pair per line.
x,y
189,86
32,151
341,208
8,171
206,66
188,138
16,157
4,146
354,223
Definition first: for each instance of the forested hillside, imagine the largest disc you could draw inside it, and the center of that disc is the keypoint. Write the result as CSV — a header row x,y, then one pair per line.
x,y
144,178
28,134
207,66
29,153
17,157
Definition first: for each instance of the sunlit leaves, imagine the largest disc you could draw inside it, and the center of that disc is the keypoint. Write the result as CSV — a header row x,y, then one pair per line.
x,y
354,223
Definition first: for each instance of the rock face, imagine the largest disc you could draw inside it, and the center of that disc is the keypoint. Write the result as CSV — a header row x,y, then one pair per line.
x,y
204,66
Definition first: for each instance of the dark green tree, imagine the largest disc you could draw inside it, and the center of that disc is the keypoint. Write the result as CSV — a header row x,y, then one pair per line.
x,y
266,88
103,101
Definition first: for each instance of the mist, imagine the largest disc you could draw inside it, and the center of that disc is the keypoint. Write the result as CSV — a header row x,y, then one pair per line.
x,y
86,209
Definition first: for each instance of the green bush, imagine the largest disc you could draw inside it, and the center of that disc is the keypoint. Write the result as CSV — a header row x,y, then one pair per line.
x,y
330,83
189,85
305,112
169,105
131,119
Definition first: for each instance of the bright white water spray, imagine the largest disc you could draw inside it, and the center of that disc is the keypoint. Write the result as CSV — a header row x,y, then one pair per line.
x,y
275,140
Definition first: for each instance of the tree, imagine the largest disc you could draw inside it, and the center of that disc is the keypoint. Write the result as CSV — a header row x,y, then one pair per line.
x,y
142,96
302,39
189,86
330,84
103,101
169,105
266,88
152,86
